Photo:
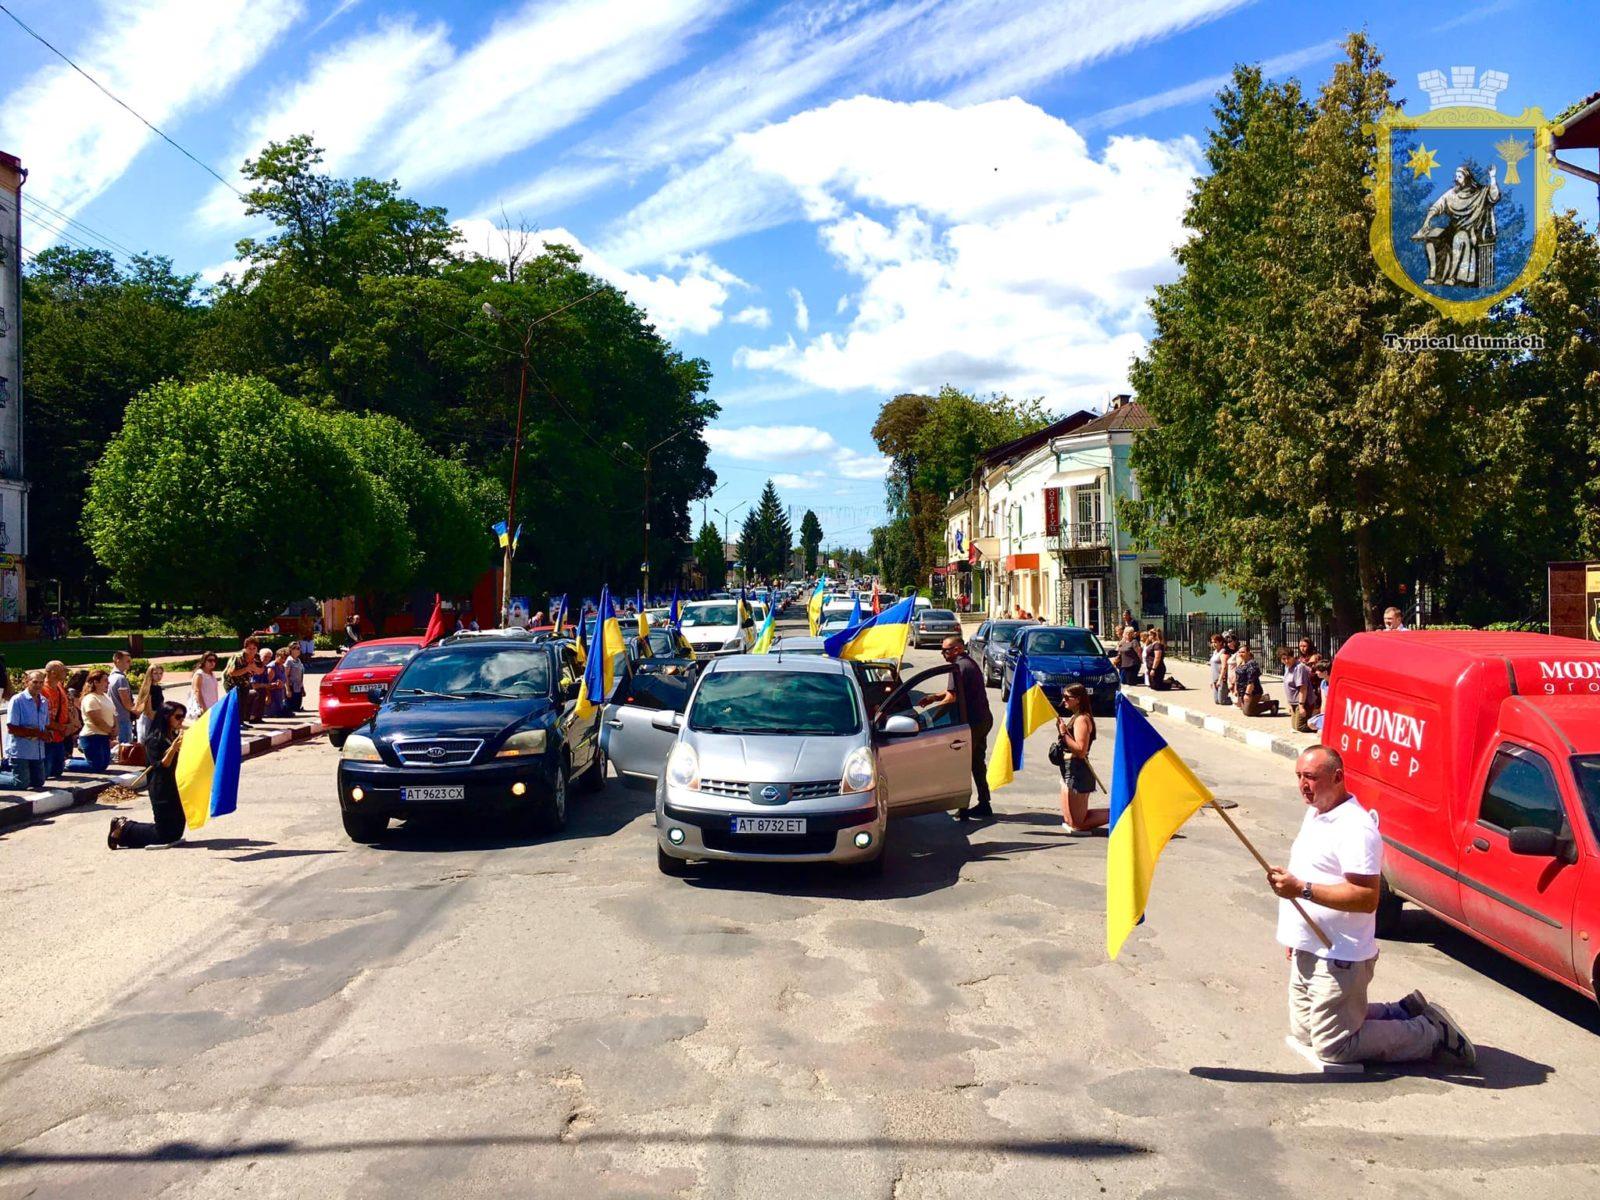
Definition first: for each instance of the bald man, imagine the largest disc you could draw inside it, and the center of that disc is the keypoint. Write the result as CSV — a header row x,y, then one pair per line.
x,y
1335,868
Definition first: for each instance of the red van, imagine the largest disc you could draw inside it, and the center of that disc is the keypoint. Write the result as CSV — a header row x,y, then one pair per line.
x,y
1481,754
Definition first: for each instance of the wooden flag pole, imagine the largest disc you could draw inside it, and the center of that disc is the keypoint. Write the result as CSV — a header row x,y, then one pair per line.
x,y
1266,866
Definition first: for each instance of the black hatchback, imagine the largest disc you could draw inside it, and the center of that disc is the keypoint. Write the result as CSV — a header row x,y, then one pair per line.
x,y
482,725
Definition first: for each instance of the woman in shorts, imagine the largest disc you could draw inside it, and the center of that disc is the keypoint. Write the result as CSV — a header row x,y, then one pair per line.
x,y
1076,731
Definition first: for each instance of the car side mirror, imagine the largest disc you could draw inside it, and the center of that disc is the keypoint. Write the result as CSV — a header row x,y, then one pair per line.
x,y
900,725
1534,842
667,721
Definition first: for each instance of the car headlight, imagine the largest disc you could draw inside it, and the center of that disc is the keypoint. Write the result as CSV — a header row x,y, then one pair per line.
x,y
860,771
734,643
683,767
519,745
358,747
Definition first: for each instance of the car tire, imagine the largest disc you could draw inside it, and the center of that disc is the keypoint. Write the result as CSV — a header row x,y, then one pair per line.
x,y
594,776
551,814
1390,906
668,865
336,738
365,828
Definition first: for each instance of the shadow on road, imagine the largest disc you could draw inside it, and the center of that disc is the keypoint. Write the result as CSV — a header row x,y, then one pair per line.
x,y
588,817
178,1152
1497,1071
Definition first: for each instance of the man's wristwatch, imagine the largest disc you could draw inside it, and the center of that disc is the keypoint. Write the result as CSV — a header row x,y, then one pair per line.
x,y
1305,891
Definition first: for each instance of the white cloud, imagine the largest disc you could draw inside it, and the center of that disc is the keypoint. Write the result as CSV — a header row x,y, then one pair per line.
x,y
1203,89
854,465
349,95
809,482
539,71
687,296
754,316
767,443
992,250
554,189
339,10
163,58
802,314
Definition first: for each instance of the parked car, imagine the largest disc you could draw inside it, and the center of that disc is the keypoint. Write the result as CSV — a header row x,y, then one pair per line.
x,y
712,627
1480,754
1059,656
933,625
832,622
774,758
352,691
481,725
989,645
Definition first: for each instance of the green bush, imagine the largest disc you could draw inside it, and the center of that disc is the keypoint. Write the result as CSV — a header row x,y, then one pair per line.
x,y
325,641
1518,627
196,627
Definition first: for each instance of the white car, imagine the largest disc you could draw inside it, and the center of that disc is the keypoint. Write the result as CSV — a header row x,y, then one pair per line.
x,y
712,627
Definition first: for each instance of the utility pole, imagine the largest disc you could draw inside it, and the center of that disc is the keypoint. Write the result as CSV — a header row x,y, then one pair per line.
x,y
644,567
494,314
725,516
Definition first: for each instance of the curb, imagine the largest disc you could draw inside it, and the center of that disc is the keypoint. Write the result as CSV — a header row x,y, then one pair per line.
x,y
21,811
1258,739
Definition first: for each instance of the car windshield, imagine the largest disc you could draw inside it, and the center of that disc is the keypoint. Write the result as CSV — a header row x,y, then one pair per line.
x,y
711,614
663,642
369,657
504,672
1004,635
791,703
1061,641
1586,769
938,614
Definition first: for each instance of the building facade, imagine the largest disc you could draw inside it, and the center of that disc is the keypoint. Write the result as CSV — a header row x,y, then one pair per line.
x,y
13,486
1047,518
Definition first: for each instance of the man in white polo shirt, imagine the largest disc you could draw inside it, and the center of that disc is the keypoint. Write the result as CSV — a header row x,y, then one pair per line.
x,y
1334,870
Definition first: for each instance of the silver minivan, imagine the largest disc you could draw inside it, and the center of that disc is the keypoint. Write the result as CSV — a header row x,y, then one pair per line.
x,y
775,758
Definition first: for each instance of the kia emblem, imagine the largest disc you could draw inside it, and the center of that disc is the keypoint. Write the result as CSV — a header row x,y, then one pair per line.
x,y
435,751
770,793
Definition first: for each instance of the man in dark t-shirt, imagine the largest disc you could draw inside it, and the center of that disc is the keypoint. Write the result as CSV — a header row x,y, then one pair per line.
x,y
969,683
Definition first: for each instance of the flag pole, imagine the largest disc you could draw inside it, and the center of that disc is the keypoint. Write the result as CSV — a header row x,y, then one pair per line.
x,y
1266,866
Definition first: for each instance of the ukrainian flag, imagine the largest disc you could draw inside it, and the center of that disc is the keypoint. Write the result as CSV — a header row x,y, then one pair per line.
x,y
672,611
814,605
1152,793
605,651
502,535
768,629
1026,710
882,636
644,635
855,613
208,763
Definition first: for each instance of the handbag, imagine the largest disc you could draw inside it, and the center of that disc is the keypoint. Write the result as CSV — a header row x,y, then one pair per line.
x,y
1057,754
130,754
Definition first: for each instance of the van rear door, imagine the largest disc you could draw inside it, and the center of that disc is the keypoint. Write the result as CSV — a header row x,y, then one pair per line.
x,y
1522,903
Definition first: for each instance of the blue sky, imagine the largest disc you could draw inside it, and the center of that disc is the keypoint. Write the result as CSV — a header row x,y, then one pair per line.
x,y
831,201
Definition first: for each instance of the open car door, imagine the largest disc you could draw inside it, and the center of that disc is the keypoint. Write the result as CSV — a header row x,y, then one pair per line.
x,y
637,748
924,753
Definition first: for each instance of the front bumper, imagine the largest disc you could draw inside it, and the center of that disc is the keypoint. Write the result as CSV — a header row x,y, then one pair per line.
x,y
1102,692
487,787
829,837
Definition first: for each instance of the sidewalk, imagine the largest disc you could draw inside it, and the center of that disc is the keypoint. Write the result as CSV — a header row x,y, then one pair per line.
x,y
1196,706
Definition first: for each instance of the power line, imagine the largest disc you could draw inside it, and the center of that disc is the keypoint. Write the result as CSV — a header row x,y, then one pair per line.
x,y
119,102
110,243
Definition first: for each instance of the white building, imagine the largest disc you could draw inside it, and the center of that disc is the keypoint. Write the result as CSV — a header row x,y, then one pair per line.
x,y
13,488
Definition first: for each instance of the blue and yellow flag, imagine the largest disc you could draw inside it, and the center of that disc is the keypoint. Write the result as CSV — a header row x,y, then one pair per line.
x,y
882,636
502,535
814,605
768,629
1026,709
1152,793
208,763
644,636
605,650
672,610
559,617
855,612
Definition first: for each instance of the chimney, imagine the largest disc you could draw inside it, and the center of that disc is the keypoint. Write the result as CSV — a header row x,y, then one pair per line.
x,y
1118,401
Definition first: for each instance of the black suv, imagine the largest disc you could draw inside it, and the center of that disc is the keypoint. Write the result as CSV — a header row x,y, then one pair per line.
x,y
479,724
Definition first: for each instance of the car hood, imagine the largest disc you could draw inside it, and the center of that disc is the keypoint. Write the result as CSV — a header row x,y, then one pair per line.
x,y
706,633
1069,664
419,717
765,758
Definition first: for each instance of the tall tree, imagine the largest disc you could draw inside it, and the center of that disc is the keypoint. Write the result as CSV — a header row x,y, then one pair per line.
x,y
810,540
709,556
766,538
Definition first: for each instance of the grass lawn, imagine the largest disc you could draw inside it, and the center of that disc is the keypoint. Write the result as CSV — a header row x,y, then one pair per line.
x,y
86,651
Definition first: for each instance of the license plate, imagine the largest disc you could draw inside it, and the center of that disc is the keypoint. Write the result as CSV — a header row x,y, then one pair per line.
x,y
769,824
426,794
367,689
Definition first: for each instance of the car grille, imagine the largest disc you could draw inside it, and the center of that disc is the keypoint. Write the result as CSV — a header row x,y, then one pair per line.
x,y
814,789
768,843
725,787
740,790
438,752
706,647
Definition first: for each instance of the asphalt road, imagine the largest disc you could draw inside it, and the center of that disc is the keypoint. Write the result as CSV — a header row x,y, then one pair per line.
x,y
271,1010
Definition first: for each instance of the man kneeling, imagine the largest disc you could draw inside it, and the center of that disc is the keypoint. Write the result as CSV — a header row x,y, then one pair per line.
x,y
1334,870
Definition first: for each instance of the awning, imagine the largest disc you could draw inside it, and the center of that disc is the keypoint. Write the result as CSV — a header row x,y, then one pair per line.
x,y
1022,562
989,547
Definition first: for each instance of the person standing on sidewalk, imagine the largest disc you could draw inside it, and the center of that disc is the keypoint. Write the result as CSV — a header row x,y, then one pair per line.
x,y
1335,867
121,693
27,722
1297,685
237,677
295,675
147,705
56,737
967,682
161,746
203,686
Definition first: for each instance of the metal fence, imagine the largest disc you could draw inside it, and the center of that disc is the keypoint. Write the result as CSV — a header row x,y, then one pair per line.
x,y
1188,636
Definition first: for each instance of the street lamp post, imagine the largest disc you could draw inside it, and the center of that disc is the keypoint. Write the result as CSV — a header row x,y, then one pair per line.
x,y
644,567
495,314
725,516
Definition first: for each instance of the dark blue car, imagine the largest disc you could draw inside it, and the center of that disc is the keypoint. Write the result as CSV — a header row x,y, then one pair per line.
x,y
1061,655
486,724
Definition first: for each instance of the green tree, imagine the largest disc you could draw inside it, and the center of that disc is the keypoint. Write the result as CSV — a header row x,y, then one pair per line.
x,y
182,506
765,539
708,556
810,540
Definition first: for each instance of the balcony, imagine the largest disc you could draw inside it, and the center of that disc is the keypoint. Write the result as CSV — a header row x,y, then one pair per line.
x,y
1083,543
